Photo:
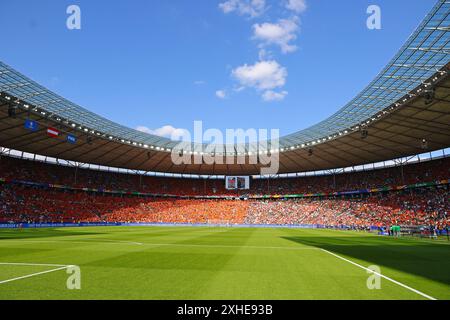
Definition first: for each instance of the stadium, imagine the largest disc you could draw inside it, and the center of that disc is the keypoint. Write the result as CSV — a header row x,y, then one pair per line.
x,y
360,196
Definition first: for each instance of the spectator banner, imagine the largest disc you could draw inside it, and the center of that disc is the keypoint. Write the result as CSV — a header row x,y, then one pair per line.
x,y
71,139
52,132
31,125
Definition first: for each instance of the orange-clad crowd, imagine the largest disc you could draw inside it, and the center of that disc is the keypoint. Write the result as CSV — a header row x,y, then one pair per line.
x,y
21,202
26,204
178,211
413,208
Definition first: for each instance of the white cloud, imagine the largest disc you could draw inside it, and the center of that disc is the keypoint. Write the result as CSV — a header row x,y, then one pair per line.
x,y
263,75
251,8
165,131
281,34
296,5
199,82
270,95
221,94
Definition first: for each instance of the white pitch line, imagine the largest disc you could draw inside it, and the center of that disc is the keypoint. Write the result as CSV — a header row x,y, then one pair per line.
x,y
381,275
225,246
34,274
161,244
32,264
106,241
112,241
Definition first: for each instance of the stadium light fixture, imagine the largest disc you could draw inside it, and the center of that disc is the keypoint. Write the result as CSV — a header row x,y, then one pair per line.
x,y
364,134
11,111
424,145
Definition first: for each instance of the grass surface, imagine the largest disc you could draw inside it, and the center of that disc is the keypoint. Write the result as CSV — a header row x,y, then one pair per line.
x,y
218,263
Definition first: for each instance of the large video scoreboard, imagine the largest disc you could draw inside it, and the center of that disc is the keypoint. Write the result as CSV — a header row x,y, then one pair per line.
x,y
237,183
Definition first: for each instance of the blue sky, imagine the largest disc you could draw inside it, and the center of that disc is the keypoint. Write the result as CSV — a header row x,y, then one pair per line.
x,y
230,63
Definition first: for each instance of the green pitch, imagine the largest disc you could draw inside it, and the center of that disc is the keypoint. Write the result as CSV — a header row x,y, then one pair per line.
x,y
218,263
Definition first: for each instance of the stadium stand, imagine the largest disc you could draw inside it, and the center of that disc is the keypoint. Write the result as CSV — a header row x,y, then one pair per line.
x,y
422,207
28,194
40,172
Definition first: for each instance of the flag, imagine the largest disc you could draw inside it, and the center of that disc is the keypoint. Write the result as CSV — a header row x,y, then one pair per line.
x,y
52,132
31,125
71,139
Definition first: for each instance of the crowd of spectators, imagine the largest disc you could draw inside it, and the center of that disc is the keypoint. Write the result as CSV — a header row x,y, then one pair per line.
x,y
20,169
180,211
413,207
410,208
37,205
370,179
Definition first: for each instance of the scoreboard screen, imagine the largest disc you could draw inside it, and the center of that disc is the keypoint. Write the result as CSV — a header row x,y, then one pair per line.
x,y
237,183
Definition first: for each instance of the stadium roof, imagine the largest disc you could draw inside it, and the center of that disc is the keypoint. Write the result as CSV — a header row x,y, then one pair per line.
x,y
403,109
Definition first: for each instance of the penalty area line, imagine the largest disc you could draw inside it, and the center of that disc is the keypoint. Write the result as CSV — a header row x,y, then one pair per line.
x,y
33,274
381,275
